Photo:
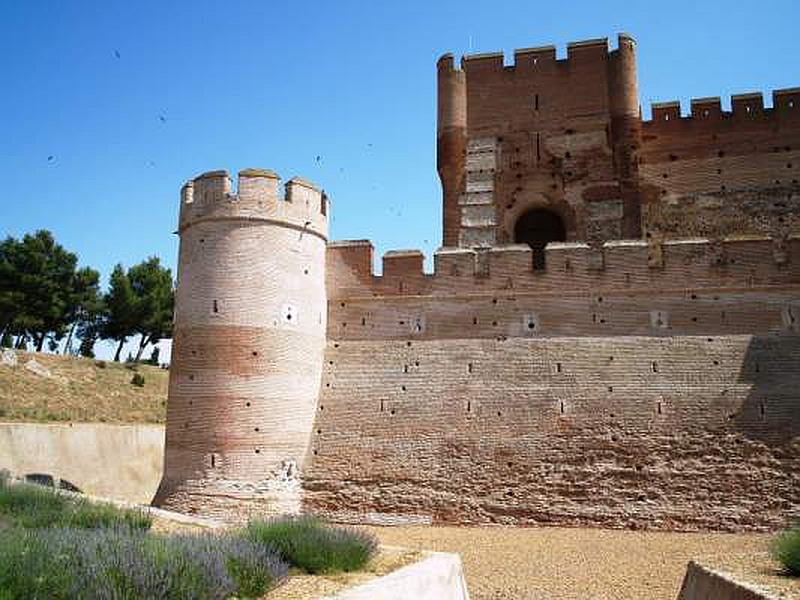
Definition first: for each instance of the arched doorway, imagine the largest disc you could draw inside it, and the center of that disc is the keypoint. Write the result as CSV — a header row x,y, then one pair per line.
x,y
536,228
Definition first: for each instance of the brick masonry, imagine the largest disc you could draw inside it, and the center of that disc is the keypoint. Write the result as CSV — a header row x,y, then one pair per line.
x,y
248,344
675,433
640,370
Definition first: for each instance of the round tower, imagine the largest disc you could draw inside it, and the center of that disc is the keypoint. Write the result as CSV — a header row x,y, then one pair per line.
x,y
451,143
248,342
626,130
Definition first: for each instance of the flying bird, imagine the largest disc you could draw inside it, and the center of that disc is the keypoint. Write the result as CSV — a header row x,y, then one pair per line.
x,y
50,158
319,158
117,54
162,118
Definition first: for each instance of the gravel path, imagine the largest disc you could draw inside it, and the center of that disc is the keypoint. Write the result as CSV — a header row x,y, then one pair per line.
x,y
561,563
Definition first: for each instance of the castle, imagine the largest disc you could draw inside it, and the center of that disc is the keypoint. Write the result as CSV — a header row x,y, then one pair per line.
x,y
610,335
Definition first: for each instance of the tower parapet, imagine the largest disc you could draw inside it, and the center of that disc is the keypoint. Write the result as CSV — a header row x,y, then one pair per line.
x,y
250,327
259,196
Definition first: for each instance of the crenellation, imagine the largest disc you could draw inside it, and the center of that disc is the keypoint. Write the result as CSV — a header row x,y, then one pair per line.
x,y
787,102
446,62
744,107
480,63
212,187
187,193
541,57
666,112
707,108
750,105
535,57
587,51
626,265
258,197
258,185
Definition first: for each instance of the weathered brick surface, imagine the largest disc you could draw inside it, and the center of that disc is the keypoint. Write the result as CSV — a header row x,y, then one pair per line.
x,y
677,433
566,135
689,287
248,345
641,373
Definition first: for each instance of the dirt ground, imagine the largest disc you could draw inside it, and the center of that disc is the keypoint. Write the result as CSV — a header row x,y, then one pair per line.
x,y
562,563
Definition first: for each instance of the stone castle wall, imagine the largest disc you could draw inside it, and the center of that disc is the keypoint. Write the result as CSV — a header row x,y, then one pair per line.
x,y
689,287
643,372
678,433
630,384
566,135
539,133
715,173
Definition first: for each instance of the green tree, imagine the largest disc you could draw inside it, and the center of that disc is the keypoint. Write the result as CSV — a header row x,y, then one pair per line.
x,y
37,278
155,301
86,303
11,300
121,309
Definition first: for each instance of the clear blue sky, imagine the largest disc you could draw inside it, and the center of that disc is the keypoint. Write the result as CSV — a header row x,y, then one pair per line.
x,y
274,84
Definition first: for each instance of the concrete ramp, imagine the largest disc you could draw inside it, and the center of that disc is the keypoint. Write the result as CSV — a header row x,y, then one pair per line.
x,y
437,577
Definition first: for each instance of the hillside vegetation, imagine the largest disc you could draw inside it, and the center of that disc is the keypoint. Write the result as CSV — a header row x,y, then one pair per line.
x,y
81,389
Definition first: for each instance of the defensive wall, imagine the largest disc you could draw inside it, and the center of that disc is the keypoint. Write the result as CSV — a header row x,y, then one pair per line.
x,y
682,287
679,432
566,135
631,384
714,172
634,363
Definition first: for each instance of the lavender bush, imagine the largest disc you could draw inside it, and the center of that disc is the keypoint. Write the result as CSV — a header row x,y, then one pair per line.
x,y
308,543
124,563
786,550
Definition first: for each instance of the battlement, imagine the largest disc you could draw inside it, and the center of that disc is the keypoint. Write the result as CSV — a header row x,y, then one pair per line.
x,y
569,266
537,57
258,196
745,108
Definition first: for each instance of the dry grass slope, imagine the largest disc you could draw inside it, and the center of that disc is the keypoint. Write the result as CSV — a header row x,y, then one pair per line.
x,y
80,390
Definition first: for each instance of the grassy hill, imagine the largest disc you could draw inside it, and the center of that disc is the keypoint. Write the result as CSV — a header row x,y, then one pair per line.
x,y
81,389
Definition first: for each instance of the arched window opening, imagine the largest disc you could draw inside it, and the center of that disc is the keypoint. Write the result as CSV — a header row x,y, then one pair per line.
x,y
537,228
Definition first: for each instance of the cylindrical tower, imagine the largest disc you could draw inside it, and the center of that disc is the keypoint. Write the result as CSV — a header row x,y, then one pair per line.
x,y
451,143
248,344
626,131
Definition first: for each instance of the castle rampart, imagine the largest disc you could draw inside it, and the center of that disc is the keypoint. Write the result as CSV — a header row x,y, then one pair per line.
x,y
624,265
677,433
621,288
610,334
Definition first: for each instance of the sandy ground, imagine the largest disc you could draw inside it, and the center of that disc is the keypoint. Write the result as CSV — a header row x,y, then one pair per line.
x,y
561,563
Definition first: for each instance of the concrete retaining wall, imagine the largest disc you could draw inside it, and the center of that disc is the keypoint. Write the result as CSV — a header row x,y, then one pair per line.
x,y
437,577
123,462
701,583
